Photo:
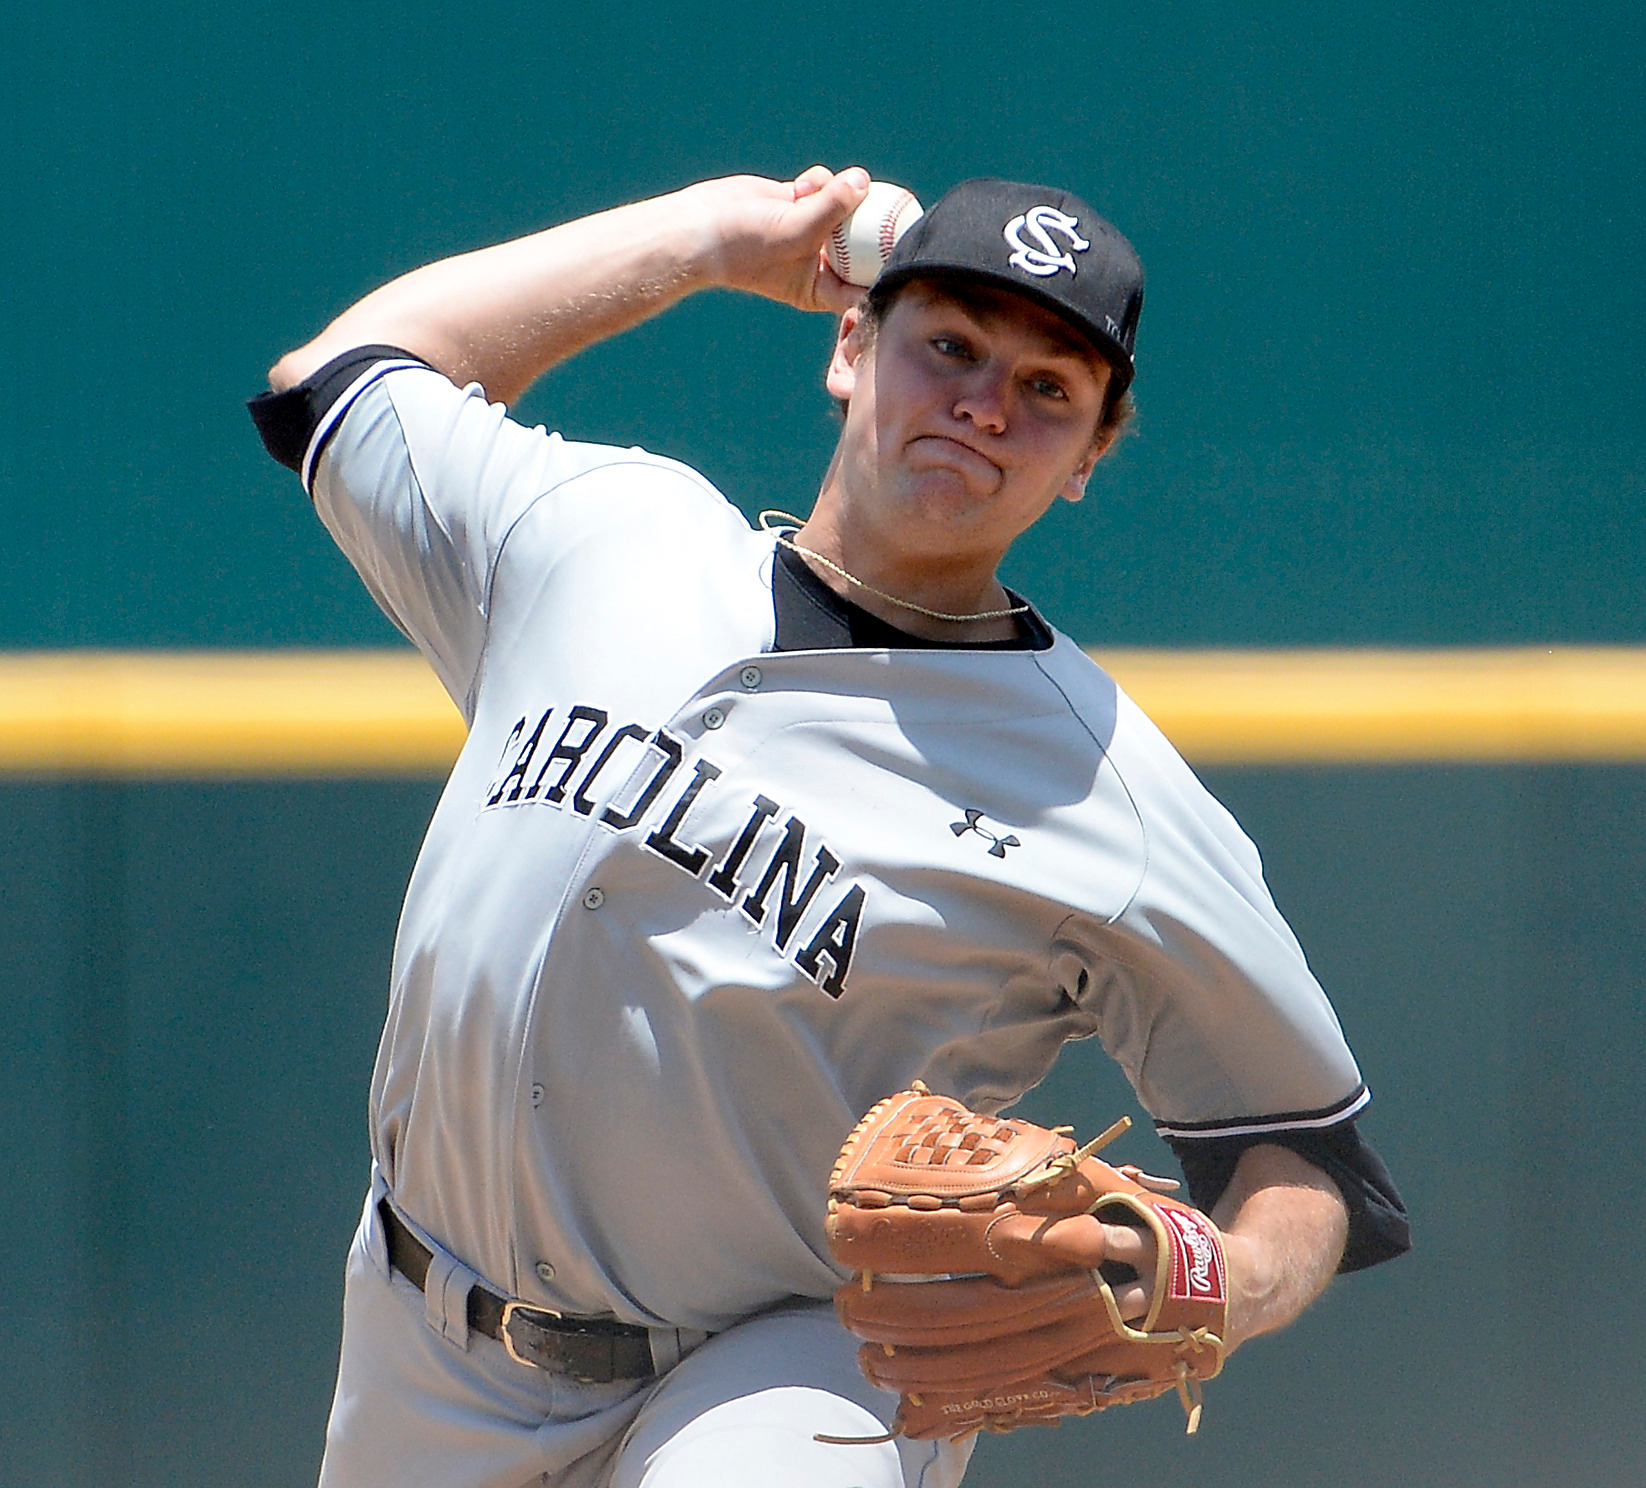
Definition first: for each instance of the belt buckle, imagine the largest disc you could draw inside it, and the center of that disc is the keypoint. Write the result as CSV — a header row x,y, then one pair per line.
x,y
509,1311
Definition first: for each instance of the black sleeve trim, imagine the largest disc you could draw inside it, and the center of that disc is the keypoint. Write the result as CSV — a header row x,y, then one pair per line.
x,y
1378,1227
288,421
1257,1126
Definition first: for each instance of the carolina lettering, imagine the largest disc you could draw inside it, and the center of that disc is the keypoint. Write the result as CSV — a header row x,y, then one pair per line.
x,y
522,761
786,861
572,754
582,804
826,957
834,943
663,841
672,754
494,791
724,878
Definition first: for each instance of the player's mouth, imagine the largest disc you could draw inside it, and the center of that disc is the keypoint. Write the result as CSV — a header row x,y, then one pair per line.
x,y
945,450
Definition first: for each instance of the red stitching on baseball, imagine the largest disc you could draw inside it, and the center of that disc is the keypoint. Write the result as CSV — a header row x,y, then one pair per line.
x,y
888,224
842,252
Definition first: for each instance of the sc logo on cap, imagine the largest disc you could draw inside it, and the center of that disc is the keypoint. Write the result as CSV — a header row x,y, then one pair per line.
x,y
1041,258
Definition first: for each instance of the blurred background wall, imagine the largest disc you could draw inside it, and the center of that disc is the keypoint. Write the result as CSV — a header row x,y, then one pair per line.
x,y
1391,395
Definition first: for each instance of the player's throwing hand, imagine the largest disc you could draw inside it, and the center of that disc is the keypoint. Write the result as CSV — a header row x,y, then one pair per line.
x,y
766,237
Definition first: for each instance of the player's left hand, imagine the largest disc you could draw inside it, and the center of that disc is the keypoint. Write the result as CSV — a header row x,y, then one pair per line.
x,y
1003,1278
960,1351
1126,1256
973,1354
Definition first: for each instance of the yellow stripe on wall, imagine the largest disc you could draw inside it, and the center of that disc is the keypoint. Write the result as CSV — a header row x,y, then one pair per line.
x,y
1519,705
306,713
224,713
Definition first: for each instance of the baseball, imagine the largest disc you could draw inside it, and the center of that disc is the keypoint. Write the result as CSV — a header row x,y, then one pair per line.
x,y
859,247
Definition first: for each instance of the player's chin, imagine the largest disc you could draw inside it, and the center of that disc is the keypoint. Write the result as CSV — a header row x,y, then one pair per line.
x,y
960,495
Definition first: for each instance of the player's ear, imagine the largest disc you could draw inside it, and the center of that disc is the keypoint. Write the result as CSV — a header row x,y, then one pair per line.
x,y
849,346
1102,442
1075,487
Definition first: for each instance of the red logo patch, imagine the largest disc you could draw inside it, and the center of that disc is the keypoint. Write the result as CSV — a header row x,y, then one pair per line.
x,y
1197,1259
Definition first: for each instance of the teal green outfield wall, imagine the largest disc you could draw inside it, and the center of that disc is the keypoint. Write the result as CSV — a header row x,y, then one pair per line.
x,y
1391,392
194,981
1391,381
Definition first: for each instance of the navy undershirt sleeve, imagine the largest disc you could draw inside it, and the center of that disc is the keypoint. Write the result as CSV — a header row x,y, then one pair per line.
x,y
1378,1228
287,420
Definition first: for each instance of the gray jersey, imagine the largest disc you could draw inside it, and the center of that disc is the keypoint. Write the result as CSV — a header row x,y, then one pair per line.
x,y
688,906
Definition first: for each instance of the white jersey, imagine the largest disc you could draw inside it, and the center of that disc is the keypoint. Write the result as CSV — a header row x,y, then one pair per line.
x,y
689,906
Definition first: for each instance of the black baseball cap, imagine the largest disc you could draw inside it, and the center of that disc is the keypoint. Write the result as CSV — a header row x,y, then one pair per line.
x,y
1044,244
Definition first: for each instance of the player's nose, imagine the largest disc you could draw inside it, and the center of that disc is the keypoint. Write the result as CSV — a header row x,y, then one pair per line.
x,y
985,400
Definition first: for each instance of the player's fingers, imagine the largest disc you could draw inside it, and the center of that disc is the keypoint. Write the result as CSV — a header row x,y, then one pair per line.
x,y
1023,1354
962,1311
1132,1298
833,200
1074,1240
1149,1180
812,180
930,1369
1134,1248
831,292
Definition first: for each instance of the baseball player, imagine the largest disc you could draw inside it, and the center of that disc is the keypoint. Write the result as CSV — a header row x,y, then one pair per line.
x,y
755,827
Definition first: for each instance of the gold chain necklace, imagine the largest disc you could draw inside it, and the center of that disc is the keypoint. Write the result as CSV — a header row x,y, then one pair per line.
x,y
902,604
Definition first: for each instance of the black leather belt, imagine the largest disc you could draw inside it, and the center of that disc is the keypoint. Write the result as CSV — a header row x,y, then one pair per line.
x,y
596,1351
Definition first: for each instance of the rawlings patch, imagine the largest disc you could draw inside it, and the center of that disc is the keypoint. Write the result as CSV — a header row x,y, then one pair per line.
x,y
1197,1262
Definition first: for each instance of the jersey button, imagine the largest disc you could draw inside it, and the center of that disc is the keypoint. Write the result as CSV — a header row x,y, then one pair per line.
x,y
594,898
544,1270
714,717
750,677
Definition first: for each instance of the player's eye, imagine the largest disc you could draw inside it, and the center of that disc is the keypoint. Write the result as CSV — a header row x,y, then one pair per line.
x,y
1049,387
951,346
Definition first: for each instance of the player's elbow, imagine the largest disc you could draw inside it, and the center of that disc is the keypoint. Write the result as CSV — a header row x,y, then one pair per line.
x,y
283,374
290,370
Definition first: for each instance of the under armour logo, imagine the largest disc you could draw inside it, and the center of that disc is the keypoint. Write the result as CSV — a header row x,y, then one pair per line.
x,y
974,823
1042,257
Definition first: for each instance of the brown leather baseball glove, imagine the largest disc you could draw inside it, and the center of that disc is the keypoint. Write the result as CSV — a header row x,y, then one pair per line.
x,y
980,1284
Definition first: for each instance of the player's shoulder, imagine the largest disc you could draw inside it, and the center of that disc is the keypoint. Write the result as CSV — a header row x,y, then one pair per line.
x,y
378,403
1121,727
1091,689
1165,789
633,473
417,388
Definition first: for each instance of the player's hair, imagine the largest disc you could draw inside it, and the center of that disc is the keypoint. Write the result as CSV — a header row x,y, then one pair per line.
x,y
1117,413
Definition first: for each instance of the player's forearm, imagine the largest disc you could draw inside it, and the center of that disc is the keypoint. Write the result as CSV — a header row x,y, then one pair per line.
x,y
1284,1224
502,315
